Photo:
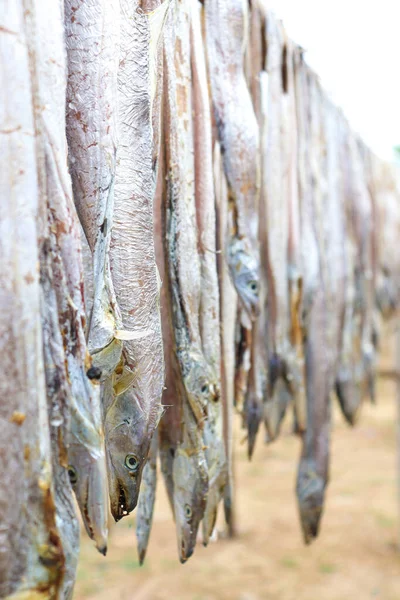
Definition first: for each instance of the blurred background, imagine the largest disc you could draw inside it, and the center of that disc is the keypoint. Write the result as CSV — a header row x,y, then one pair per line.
x,y
353,46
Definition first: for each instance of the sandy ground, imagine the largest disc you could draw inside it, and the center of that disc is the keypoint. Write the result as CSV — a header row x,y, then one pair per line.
x,y
355,557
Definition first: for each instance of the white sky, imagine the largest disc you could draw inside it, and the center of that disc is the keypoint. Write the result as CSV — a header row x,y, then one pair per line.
x,y
354,46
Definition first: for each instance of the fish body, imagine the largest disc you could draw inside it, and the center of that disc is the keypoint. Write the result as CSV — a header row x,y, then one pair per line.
x,y
132,412
86,454
58,407
350,387
324,295
209,315
276,186
226,39
147,497
92,40
296,353
185,276
228,312
189,469
31,554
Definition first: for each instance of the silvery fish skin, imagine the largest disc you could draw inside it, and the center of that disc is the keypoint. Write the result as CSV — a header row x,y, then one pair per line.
x,y
92,40
86,441
354,385
132,413
88,282
370,273
189,468
387,225
209,299
257,392
350,384
228,311
243,337
58,406
181,456
185,275
276,182
296,355
169,426
147,497
31,554
324,311
254,60
226,31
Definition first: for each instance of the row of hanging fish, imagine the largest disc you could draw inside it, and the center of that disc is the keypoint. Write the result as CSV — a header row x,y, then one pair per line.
x,y
190,230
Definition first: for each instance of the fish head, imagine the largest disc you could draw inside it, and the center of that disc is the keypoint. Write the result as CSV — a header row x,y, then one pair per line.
x,y
310,495
244,270
128,432
201,383
190,496
254,414
88,477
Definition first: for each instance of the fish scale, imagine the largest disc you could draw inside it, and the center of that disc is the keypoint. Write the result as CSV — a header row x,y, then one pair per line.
x,y
132,412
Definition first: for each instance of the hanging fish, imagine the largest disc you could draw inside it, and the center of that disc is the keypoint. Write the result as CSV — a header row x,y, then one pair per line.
x,y
32,557
133,409
324,296
228,311
209,316
92,40
147,497
226,39
189,468
276,182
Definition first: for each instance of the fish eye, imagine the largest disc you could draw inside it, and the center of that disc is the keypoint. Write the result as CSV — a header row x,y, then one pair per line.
x,y
73,475
204,388
253,285
188,512
131,462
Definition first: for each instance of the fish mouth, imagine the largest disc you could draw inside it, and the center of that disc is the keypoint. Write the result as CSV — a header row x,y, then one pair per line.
x,y
311,504
127,502
210,520
122,505
96,530
100,541
184,554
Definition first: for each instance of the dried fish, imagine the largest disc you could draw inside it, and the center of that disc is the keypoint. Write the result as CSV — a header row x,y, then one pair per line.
x,y
147,497
228,311
276,181
133,411
323,309
189,464
92,40
58,398
31,555
86,440
226,29
209,287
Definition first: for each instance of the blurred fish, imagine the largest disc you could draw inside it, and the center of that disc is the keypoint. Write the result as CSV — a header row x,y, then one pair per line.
x,y
275,193
324,292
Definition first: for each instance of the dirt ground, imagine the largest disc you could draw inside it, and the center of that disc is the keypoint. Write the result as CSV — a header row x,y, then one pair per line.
x,y
355,557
